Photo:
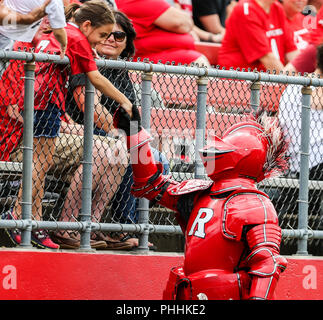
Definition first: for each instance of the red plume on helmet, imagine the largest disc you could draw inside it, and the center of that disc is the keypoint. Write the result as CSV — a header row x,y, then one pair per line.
x,y
253,149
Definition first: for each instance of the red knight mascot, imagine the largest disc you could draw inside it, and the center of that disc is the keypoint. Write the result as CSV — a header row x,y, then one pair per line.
x,y
232,237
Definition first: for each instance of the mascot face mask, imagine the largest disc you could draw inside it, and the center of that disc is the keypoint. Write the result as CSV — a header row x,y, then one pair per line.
x,y
242,152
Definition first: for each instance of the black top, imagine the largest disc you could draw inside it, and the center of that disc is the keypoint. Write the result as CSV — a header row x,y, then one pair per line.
x,y
119,78
209,7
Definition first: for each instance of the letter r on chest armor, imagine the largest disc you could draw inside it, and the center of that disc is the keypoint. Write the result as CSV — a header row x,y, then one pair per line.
x,y
204,215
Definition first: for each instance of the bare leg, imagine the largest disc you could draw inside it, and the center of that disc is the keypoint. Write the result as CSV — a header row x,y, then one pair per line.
x,y
109,164
42,160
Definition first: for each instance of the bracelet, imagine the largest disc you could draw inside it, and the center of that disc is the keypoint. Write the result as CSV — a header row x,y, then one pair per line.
x,y
210,38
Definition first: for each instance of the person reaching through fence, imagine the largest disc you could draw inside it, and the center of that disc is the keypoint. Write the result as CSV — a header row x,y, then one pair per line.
x,y
118,45
92,23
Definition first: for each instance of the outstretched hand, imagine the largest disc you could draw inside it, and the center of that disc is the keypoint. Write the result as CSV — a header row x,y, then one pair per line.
x,y
129,124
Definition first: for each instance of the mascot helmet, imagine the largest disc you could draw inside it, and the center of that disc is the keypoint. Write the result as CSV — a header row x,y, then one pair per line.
x,y
252,149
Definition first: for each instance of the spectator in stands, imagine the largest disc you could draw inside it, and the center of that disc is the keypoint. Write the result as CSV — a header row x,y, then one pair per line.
x,y
290,109
210,15
290,115
8,16
297,21
306,61
67,158
198,33
266,42
92,23
163,32
26,31
118,45
25,17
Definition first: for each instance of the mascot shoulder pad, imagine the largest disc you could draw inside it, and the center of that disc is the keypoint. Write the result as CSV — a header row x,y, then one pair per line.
x,y
247,207
189,186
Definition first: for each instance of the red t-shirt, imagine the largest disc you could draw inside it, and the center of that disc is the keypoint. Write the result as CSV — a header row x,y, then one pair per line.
x,y
153,42
251,33
316,23
300,32
11,88
50,84
306,60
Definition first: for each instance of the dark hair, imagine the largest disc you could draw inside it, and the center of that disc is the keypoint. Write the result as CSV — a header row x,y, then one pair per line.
x,y
319,57
125,23
110,3
96,11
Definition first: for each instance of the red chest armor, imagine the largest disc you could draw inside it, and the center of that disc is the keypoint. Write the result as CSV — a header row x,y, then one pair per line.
x,y
215,228
206,247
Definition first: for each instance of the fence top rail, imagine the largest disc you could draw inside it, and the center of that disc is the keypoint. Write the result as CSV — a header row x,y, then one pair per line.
x,y
172,69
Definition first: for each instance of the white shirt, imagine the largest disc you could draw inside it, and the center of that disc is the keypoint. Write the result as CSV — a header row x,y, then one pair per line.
x,y
290,109
55,12
112,3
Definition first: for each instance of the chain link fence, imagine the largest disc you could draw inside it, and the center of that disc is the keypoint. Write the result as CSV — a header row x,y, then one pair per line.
x,y
84,176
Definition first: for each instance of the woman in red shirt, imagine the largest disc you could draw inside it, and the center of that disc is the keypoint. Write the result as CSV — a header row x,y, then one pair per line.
x,y
163,32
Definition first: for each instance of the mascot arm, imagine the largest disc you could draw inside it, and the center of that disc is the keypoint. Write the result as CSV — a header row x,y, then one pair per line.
x,y
149,182
264,262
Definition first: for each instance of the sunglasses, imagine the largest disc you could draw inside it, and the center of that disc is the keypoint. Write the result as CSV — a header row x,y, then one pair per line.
x,y
118,36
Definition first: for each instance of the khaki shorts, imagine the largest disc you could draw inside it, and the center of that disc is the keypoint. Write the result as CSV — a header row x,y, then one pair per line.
x,y
68,155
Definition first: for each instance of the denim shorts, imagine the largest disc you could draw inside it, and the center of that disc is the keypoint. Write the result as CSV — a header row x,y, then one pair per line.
x,y
47,122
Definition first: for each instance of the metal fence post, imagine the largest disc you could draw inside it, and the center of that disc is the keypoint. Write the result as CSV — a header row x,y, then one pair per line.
x,y
255,95
85,214
202,83
27,161
304,170
143,207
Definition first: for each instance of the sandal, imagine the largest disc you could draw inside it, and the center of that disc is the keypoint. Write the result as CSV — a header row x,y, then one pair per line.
x,y
71,240
112,244
135,241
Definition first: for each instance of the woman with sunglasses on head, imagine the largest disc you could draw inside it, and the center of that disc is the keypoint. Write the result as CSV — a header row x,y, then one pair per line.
x,y
118,45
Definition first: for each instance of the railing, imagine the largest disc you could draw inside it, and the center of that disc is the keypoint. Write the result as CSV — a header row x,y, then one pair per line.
x,y
195,95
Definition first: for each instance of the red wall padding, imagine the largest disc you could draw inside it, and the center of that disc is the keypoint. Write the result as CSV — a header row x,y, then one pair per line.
x,y
72,275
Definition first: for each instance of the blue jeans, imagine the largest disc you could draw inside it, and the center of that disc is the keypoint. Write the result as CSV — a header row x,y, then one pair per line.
x,y
125,204
47,122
